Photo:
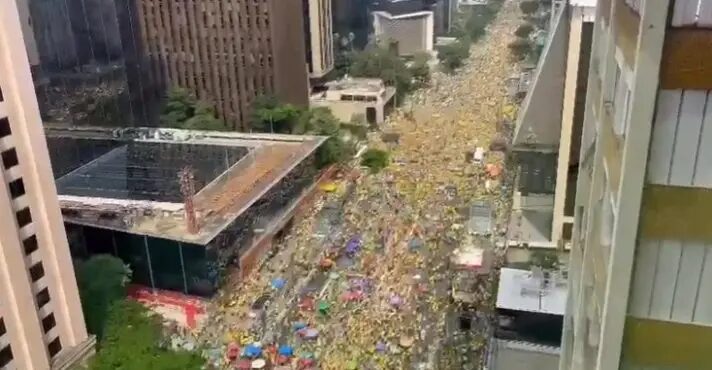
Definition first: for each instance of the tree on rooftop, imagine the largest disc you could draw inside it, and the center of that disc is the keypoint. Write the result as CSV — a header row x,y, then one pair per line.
x,y
132,341
102,280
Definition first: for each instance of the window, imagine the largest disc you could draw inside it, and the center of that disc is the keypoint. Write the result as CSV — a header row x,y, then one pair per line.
x,y
622,107
9,158
5,356
607,219
621,102
54,347
23,216
30,245
42,298
37,271
4,128
17,188
617,80
626,112
48,323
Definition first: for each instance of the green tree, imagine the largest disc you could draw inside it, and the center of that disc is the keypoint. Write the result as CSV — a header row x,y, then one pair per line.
x,y
102,280
520,48
131,342
382,63
177,108
182,110
524,30
320,121
420,70
342,64
453,55
204,119
529,6
375,160
476,24
271,116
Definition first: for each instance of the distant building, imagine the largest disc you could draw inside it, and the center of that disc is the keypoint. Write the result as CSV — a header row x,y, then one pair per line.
x,y
41,321
351,17
182,208
228,52
407,33
443,11
547,136
356,99
319,37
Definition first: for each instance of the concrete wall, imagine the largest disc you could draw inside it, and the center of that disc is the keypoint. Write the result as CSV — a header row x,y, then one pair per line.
x,y
346,110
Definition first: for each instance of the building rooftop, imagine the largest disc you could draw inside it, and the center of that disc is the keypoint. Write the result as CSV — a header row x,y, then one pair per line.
x,y
519,355
530,291
128,179
356,85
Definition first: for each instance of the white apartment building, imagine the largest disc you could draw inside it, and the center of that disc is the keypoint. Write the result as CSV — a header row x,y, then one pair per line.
x,y
41,321
641,267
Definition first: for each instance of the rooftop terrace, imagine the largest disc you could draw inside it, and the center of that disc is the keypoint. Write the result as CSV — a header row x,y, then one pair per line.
x,y
128,179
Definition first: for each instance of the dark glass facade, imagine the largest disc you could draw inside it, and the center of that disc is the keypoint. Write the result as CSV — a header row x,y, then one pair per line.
x,y
154,262
191,268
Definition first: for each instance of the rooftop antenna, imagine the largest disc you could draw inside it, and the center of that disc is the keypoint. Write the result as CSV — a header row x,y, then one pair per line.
x,y
187,188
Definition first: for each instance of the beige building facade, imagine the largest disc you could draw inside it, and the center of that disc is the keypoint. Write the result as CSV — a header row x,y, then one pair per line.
x,y
548,131
640,268
319,37
362,100
412,33
41,321
227,52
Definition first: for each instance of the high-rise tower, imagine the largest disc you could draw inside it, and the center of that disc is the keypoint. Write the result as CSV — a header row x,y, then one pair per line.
x,y
41,321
